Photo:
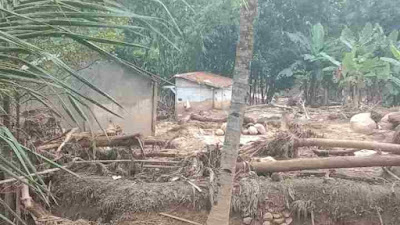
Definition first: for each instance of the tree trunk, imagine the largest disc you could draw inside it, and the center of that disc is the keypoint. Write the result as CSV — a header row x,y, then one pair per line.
x,y
324,163
8,196
356,97
313,84
326,95
320,142
220,212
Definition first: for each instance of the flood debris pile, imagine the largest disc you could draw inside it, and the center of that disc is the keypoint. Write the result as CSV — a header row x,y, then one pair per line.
x,y
290,175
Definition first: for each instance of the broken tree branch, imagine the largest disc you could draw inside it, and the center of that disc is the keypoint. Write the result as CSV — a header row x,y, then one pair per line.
x,y
32,174
67,138
128,161
103,141
180,219
325,163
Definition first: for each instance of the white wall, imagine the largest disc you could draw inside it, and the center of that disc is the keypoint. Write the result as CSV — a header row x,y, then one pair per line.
x,y
186,90
200,97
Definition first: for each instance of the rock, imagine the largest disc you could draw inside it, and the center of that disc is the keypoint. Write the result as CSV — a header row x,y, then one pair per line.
x,y
264,159
365,153
277,215
245,131
253,131
394,118
384,123
223,127
286,213
247,220
260,128
176,143
267,223
289,220
249,119
219,132
249,125
279,220
276,177
385,126
362,123
268,216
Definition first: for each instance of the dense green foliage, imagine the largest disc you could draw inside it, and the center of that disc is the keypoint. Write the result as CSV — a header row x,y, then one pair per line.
x,y
286,44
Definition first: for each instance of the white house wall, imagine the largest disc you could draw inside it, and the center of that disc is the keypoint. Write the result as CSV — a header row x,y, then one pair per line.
x,y
200,97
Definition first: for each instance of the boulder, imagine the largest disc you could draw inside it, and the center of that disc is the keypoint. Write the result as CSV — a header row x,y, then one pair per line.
x,y
223,127
253,130
247,220
260,128
249,125
286,213
384,123
279,220
268,216
245,131
362,123
394,118
219,132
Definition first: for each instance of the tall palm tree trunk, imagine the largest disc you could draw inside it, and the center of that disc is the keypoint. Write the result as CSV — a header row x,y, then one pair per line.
x,y
220,212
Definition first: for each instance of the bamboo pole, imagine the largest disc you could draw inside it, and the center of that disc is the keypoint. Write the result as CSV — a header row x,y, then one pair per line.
x,y
325,163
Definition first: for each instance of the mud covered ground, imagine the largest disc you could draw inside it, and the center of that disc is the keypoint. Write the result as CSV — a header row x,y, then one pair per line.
x,y
139,197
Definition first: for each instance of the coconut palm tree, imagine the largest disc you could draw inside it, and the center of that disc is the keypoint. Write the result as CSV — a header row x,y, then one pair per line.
x,y
220,212
27,69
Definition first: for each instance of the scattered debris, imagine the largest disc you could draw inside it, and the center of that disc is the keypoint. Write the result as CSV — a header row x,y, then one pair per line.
x,y
180,219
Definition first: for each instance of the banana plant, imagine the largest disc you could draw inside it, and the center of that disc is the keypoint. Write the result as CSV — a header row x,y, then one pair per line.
x,y
394,85
314,51
360,64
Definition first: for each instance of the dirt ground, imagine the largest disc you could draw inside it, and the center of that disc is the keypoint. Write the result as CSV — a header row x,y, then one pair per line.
x,y
193,137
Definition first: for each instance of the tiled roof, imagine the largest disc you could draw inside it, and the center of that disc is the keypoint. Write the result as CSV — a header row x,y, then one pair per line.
x,y
206,78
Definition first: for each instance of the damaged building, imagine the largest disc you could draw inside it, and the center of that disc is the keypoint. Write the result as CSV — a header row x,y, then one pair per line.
x,y
198,91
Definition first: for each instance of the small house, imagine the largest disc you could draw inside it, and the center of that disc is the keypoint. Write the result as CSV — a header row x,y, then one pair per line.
x,y
136,91
201,91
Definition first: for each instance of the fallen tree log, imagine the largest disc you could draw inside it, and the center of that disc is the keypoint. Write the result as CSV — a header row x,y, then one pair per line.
x,y
208,119
387,147
223,119
334,152
103,141
324,163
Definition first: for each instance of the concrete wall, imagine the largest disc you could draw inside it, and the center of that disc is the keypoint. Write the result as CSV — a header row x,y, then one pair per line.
x,y
200,97
134,92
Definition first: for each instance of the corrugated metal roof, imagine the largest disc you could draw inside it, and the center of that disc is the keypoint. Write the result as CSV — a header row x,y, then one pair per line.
x,y
206,78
